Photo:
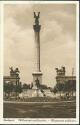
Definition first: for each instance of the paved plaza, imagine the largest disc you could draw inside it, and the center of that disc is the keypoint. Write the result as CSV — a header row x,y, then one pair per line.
x,y
60,109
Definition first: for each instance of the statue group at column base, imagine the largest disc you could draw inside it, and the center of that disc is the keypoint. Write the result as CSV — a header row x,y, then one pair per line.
x,y
36,93
37,79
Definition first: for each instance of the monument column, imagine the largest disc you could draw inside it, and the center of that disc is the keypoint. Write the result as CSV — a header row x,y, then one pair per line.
x,y
37,74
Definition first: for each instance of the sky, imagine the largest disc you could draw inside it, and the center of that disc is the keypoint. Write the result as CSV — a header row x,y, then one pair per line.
x,y
57,39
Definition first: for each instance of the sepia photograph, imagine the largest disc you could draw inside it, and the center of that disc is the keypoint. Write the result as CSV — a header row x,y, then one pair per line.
x,y
40,60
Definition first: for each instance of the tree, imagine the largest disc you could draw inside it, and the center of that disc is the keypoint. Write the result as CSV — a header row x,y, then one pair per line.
x,y
70,86
55,90
74,87
8,88
18,89
43,86
26,86
60,87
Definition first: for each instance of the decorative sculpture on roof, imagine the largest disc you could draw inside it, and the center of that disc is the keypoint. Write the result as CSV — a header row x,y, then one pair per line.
x,y
14,72
60,71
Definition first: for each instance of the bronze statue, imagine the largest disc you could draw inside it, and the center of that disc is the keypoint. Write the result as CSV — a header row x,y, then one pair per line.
x,y
60,71
14,72
37,83
36,18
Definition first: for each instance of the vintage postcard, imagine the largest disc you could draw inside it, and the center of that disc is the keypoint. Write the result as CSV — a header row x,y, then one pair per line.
x,y
39,62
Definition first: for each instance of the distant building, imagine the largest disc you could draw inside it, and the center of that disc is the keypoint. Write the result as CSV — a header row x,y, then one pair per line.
x,y
62,78
10,79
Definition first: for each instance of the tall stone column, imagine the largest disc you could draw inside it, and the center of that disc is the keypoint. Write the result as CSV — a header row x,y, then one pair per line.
x,y
37,74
